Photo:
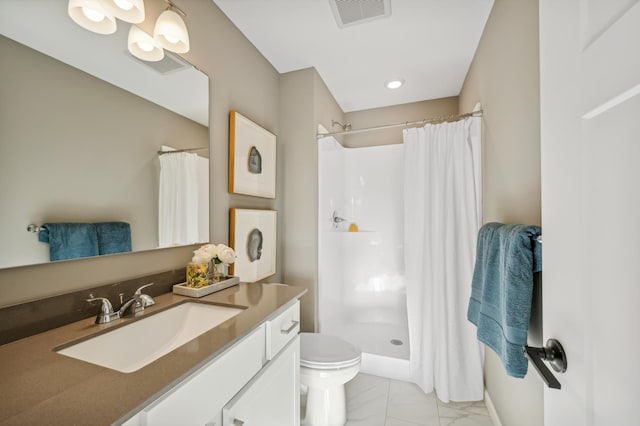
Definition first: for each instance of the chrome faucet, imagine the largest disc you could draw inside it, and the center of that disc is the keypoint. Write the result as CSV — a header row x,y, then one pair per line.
x,y
136,303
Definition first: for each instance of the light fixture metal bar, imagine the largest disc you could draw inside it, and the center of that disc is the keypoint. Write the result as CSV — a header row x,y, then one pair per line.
x,y
172,5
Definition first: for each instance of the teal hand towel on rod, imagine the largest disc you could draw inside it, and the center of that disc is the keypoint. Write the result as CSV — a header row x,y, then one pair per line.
x,y
69,240
502,288
113,237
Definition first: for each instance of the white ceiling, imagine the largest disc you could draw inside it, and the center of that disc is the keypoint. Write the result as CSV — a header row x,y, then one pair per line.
x,y
428,43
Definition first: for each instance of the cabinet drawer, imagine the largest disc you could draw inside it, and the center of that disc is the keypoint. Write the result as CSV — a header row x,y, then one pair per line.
x,y
200,398
282,329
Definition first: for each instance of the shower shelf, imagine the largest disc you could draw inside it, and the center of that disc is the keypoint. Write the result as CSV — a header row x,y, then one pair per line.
x,y
368,234
361,231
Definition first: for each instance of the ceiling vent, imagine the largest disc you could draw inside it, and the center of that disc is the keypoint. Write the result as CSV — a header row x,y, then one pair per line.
x,y
353,12
167,65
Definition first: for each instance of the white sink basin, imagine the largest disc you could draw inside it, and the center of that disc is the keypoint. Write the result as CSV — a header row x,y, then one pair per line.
x,y
141,342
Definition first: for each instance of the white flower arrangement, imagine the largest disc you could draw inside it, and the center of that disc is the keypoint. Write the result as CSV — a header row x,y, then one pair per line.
x,y
214,253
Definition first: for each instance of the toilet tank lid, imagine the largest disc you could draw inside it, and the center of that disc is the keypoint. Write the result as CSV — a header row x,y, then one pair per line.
x,y
321,348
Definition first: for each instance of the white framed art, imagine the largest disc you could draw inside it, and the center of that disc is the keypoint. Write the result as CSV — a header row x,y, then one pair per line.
x,y
252,235
252,158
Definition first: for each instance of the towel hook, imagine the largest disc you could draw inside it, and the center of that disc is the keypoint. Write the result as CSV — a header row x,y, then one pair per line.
x,y
554,354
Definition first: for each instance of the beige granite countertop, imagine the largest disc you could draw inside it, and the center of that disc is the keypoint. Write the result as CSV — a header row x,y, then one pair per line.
x,y
39,386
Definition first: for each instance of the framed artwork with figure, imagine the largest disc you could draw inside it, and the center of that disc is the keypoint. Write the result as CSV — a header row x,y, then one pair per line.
x,y
252,235
252,158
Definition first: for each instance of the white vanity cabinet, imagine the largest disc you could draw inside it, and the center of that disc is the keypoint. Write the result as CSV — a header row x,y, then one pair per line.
x,y
244,384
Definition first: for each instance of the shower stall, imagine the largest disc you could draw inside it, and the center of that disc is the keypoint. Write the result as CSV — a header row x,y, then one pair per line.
x,y
361,290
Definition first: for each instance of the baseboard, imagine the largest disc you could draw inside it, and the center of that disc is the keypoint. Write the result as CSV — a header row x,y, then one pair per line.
x,y
492,409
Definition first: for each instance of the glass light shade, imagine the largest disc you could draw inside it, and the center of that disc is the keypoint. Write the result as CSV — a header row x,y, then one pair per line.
x,y
143,46
171,32
91,15
127,10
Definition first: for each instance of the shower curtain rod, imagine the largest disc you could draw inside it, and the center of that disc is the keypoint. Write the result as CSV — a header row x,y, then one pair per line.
x,y
175,151
477,113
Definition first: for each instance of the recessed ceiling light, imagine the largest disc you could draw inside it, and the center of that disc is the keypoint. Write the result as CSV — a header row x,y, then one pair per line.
x,y
395,83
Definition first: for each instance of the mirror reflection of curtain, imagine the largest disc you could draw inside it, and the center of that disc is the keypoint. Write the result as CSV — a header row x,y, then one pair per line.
x,y
178,200
203,199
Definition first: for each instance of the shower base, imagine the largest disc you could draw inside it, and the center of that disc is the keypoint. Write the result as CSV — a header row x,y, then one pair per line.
x,y
384,366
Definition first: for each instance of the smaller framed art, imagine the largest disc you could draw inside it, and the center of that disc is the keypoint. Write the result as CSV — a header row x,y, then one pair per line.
x,y
253,237
252,158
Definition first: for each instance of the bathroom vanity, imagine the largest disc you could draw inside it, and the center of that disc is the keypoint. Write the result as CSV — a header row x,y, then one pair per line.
x,y
261,370
244,371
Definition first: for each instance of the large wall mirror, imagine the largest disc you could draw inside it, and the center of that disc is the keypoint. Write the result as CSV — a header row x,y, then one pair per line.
x,y
81,124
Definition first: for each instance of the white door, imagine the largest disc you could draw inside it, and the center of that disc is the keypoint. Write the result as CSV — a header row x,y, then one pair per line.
x,y
590,118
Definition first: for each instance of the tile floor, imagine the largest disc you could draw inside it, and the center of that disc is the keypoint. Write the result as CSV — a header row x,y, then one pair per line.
x,y
377,401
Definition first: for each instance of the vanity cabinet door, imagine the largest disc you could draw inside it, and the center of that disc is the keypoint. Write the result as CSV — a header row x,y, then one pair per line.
x,y
272,398
198,400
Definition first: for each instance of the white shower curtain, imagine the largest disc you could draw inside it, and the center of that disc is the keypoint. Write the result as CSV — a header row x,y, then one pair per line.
x,y
442,196
178,201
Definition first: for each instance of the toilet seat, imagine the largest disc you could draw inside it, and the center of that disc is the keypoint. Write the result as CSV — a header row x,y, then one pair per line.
x,y
322,352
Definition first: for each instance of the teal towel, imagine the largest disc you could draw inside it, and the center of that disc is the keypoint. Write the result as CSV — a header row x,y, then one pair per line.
x,y
501,290
113,237
69,240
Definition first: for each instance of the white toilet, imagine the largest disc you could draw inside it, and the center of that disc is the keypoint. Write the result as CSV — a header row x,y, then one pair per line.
x,y
326,364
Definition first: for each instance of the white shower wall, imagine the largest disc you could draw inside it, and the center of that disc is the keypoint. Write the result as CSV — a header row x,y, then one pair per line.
x,y
361,292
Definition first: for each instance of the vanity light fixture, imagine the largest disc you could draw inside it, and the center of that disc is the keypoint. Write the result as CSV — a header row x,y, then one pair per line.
x,y
143,46
126,10
170,30
394,84
92,15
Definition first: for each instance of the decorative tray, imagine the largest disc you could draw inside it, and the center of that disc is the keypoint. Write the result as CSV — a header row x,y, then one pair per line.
x,y
183,290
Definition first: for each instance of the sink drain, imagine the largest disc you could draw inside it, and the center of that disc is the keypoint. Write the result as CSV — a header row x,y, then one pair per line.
x,y
396,342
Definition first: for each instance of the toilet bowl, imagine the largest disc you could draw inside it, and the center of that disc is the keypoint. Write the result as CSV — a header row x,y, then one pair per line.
x,y
326,364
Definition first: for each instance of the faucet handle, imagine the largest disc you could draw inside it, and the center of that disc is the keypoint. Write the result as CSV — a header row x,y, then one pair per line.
x,y
106,307
139,290
145,299
106,313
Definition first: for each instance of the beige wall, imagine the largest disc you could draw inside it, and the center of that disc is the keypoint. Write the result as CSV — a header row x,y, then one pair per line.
x,y
241,79
504,77
394,114
305,102
296,143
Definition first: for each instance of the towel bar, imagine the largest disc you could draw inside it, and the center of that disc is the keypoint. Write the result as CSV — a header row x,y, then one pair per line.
x,y
554,354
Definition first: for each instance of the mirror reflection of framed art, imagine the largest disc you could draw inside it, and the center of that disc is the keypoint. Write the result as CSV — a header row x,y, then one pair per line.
x,y
252,158
252,236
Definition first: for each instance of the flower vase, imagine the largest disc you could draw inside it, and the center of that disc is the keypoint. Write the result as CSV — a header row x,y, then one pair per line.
x,y
216,272
197,275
